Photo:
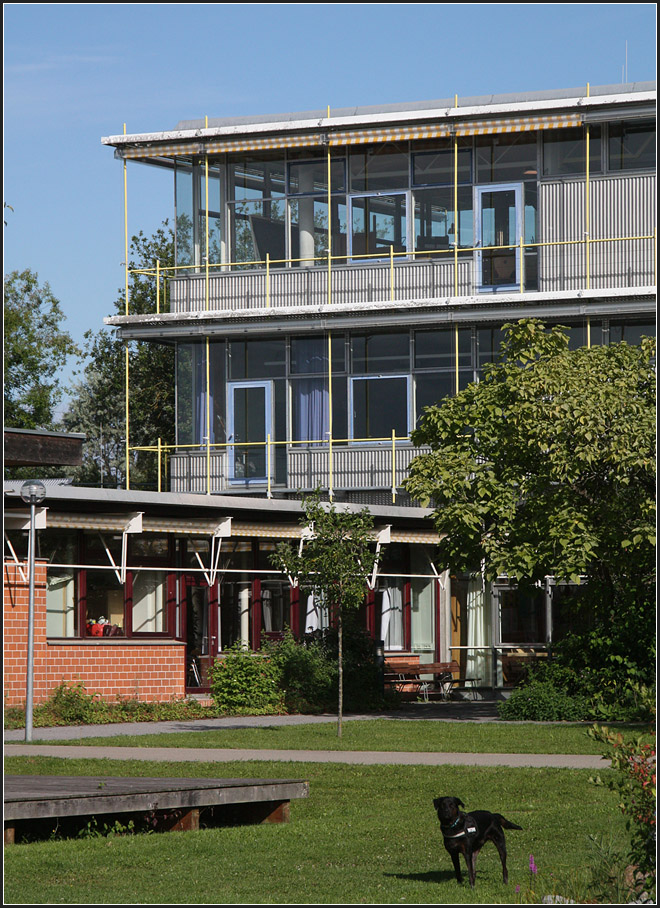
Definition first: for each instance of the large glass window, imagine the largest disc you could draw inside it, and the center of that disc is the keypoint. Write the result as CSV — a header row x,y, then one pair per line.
x,y
381,352
309,229
312,176
149,592
380,407
192,413
258,229
310,354
102,591
431,388
438,166
630,332
422,605
252,177
61,549
183,202
380,167
565,151
379,225
257,359
632,145
434,218
506,158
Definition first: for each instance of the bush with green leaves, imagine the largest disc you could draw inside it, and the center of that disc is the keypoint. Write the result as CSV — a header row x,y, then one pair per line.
x,y
634,782
246,682
543,701
308,676
71,704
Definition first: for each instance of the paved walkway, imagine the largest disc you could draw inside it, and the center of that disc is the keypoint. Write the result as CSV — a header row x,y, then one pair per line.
x,y
453,711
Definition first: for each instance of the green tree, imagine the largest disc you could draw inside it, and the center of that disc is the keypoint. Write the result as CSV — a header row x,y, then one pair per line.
x,y
336,562
98,407
36,347
547,466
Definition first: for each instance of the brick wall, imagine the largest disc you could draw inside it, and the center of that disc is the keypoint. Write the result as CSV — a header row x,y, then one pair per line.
x,y
148,670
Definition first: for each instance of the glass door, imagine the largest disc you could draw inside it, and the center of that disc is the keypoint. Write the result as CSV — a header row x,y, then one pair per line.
x,y
379,223
201,632
498,219
249,412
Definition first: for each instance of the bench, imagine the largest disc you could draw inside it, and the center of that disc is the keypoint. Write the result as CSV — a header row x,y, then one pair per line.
x,y
407,676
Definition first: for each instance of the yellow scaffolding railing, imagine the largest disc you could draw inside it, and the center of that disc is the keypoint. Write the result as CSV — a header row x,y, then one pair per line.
x,y
163,454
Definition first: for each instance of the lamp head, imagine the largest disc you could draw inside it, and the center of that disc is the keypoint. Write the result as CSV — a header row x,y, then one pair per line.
x,y
33,491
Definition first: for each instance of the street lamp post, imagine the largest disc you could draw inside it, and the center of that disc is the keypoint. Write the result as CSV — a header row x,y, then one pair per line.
x,y
33,493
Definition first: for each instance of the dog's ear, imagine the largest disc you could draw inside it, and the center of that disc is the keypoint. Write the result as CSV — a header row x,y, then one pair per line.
x,y
459,802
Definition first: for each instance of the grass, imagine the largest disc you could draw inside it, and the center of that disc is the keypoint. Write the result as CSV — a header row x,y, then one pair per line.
x,y
366,834
383,735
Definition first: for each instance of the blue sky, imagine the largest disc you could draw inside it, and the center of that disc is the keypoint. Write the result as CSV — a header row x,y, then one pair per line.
x,y
76,72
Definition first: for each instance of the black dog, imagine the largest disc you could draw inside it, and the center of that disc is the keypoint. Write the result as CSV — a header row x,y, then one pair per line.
x,y
467,833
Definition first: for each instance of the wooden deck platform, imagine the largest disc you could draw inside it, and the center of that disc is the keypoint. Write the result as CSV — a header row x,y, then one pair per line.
x,y
33,803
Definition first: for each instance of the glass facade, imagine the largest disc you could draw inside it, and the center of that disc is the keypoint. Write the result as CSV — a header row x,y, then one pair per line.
x,y
410,197
381,382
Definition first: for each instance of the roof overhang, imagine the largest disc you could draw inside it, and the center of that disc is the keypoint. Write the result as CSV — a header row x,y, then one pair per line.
x,y
294,319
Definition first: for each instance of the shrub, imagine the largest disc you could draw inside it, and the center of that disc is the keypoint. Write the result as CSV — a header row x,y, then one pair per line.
x,y
635,784
308,677
246,682
70,704
542,701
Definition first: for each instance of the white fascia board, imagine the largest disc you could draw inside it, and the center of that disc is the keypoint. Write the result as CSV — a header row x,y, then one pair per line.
x,y
273,314
384,119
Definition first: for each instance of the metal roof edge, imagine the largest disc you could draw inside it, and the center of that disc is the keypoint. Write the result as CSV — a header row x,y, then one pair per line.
x,y
409,115
264,507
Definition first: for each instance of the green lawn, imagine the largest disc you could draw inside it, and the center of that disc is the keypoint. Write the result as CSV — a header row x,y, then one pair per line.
x,y
366,834
381,734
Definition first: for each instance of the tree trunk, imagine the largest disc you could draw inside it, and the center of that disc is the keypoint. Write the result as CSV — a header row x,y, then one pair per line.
x,y
340,658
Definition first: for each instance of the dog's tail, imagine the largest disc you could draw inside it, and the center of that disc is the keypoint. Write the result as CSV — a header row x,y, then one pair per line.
x,y
506,824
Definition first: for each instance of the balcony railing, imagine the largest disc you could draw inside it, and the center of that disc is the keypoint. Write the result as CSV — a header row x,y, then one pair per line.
x,y
340,464
611,263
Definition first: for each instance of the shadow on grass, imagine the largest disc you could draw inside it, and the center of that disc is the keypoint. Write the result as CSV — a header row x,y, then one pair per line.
x,y
430,876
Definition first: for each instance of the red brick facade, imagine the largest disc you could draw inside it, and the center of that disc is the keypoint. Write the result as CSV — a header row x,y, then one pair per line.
x,y
143,669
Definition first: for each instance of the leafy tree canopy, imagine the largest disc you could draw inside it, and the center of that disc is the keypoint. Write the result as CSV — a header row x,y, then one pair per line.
x,y
98,407
547,466
36,348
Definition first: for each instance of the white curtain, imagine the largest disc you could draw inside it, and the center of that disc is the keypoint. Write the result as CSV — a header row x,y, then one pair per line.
x,y
267,610
477,631
310,409
316,615
311,616
391,621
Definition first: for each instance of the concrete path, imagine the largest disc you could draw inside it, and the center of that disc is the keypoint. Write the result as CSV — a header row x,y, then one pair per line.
x,y
452,711
366,757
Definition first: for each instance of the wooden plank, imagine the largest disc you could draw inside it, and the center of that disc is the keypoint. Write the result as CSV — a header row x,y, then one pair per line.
x,y
31,797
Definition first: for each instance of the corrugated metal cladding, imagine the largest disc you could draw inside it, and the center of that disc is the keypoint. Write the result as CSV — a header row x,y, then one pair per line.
x,y
619,207
354,137
624,207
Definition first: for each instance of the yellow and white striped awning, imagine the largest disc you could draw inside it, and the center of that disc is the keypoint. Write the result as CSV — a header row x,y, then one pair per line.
x,y
517,124
266,530
184,149
224,146
113,523
264,143
344,138
427,537
391,134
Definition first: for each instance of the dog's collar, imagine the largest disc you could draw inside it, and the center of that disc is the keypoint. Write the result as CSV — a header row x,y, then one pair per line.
x,y
470,830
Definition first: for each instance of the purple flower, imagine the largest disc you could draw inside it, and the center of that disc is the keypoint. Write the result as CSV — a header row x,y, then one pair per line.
x,y
532,866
